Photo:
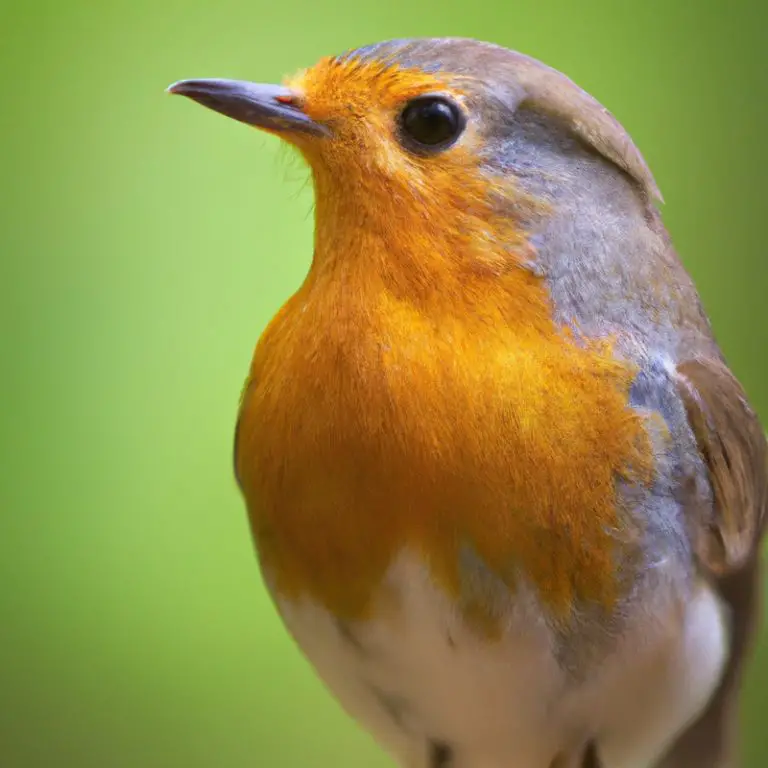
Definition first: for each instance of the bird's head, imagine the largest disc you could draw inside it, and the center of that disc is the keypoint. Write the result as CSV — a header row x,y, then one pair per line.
x,y
443,146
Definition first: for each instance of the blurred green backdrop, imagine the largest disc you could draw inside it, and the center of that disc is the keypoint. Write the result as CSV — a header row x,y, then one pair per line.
x,y
145,244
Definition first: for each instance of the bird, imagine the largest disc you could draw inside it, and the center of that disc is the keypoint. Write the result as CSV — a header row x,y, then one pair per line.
x,y
506,494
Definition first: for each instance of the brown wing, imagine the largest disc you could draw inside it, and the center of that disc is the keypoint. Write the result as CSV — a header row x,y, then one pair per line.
x,y
733,445
727,539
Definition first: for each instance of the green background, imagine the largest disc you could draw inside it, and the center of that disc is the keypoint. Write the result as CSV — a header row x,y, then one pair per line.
x,y
145,242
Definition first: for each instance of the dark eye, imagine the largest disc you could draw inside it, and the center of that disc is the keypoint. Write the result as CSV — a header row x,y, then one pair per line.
x,y
430,123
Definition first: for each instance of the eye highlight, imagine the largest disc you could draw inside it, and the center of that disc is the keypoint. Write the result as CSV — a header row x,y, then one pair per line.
x,y
429,124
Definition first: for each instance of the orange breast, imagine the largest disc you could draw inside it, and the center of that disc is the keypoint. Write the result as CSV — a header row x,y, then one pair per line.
x,y
371,424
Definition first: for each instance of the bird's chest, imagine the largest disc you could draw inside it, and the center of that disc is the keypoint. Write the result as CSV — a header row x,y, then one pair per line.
x,y
479,451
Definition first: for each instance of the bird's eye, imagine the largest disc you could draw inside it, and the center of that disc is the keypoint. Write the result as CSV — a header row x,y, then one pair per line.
x,y
430,123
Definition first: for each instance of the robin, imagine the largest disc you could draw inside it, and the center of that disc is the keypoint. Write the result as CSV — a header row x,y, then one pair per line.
x,y
505,492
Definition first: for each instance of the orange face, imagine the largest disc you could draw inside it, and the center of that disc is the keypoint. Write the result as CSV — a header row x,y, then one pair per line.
x,y
362,104
403,150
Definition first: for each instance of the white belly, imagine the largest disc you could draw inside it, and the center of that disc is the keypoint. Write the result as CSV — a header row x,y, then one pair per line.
x,y
421,676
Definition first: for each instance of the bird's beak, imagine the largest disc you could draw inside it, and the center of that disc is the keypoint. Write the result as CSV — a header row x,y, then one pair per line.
x,y
269,107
